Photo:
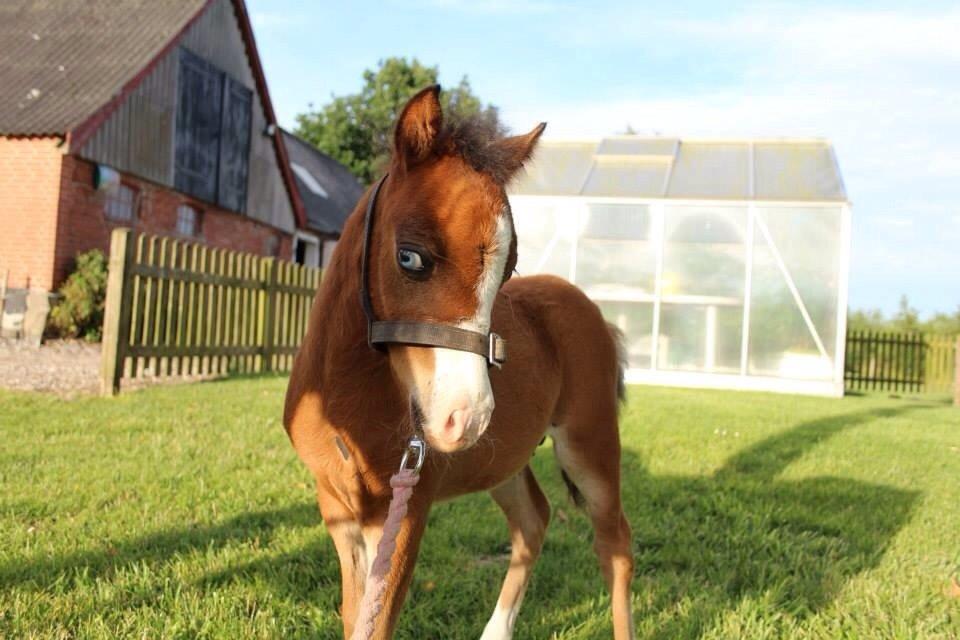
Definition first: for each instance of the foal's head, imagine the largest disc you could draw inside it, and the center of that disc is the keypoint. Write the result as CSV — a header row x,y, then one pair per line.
x,y
442,246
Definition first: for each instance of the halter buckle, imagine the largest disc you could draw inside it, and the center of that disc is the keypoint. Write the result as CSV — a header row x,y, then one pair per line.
x,y
496,351
418,448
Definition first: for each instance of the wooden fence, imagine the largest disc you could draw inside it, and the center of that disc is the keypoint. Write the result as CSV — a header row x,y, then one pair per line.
x,y
183,309
900,362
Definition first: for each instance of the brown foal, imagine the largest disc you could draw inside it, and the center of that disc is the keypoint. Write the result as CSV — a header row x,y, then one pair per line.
x,y
442,250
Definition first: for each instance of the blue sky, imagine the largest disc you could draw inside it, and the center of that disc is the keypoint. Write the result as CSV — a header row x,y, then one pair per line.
x,y
880,79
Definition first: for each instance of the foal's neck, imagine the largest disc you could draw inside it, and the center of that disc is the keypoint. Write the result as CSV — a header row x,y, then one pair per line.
x,y
357,386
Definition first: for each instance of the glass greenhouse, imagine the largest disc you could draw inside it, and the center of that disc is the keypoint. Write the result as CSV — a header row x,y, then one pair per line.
x,y
724,263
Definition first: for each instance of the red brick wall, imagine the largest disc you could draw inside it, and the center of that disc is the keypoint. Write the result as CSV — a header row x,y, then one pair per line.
x,y
84,225
29,197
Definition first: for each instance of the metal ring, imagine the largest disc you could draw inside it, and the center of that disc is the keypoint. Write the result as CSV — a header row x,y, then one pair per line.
x,y
419,448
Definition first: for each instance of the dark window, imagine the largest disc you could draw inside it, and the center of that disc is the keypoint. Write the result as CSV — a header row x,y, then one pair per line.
x,y
212,134
272,246
234,146
121,203
188,221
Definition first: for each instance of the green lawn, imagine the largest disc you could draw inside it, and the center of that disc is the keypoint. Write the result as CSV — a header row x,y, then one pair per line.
x,y
183,512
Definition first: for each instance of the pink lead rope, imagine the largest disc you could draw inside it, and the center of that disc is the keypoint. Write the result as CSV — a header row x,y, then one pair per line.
x,y
402,484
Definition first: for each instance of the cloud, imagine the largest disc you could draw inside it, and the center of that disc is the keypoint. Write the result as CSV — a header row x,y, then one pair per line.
x,y
945,164
861,79
880,84
896,222
264,20
839,38
493,7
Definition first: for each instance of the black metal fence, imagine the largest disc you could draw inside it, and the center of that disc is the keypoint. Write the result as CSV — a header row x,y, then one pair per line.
x,y
886,361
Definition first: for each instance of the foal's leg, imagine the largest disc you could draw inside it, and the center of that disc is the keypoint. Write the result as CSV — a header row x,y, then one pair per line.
x,y
590,456
527,512
401,566
348,539
357,547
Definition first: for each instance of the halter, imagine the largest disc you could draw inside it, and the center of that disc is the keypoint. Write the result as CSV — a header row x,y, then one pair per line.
x,y
429,334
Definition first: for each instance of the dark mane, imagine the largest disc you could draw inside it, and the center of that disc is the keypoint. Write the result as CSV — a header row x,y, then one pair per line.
x,y
472,137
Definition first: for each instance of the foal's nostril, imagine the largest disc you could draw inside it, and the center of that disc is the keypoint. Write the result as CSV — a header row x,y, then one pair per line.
x,y
457,424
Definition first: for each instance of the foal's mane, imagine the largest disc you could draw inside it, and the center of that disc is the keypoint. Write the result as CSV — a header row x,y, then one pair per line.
x,y
473,138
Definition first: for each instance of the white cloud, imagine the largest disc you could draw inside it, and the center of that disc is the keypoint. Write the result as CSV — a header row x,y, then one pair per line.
x,y
896,222
274,19
945,164
862,79
494,6
880,84
840,38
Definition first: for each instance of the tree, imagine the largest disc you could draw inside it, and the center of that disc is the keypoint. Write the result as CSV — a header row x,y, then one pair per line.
x,y
357,129
907,319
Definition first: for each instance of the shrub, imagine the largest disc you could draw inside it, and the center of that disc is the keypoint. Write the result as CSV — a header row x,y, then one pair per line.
x,y
79,311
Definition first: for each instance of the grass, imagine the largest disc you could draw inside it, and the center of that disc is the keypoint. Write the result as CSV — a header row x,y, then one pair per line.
x,y
182,512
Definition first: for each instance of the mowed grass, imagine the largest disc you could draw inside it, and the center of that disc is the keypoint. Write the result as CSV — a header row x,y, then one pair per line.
x,y
182,512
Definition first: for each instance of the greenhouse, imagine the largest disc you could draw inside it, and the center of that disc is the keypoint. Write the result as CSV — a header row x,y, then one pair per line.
x,y
723,262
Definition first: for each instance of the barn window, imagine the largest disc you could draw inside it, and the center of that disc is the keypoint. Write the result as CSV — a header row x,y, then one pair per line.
x,y
188,221
121,203
272,246
212,145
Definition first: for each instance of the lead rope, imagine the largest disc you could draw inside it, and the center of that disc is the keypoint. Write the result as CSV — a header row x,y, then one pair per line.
x,y
402,484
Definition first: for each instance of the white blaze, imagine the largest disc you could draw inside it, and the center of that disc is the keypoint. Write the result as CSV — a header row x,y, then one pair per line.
x,y
460,377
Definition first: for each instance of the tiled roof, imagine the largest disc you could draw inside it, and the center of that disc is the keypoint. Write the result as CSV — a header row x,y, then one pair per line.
x,y
62,60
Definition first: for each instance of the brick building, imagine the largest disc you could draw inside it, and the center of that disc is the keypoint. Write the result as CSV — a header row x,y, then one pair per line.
x,y
150,115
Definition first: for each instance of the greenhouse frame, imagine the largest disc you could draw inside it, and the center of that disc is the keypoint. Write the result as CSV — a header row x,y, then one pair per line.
x,y
723,262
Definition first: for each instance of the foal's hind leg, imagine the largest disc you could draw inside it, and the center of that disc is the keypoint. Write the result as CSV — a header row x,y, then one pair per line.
x,y
589,454
527,512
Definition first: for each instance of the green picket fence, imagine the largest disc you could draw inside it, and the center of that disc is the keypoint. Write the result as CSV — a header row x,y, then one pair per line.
x,y
887,361
183,309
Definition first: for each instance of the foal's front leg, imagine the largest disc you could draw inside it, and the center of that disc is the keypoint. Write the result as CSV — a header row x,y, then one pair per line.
x,y
348,538
401,567
356,545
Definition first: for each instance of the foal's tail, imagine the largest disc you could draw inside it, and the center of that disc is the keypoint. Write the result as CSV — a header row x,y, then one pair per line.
x,y
620,341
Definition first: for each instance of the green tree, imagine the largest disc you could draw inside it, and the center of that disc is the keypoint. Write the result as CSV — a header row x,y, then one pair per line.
x,y
905,320
357,129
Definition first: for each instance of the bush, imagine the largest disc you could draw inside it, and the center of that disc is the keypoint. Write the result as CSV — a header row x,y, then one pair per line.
x,y
79,311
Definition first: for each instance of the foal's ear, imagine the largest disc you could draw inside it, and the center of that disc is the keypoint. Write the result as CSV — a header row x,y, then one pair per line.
x,y
518,149
418,125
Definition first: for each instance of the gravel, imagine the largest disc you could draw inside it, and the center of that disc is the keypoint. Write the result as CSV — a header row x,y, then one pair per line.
x,y
66,368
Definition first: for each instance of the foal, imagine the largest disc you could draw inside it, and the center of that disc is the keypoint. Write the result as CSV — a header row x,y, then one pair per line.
x,y
441,250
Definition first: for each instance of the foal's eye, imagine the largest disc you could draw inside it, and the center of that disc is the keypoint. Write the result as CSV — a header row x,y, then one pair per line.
x,y
412,261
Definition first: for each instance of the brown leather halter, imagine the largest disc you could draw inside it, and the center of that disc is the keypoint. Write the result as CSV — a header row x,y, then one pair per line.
x,y
428,334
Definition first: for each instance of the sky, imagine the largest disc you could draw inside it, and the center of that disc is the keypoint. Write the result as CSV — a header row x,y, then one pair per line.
x,y
880,79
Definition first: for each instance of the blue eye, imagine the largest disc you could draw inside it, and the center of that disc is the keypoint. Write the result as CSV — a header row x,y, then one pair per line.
x,y
410,260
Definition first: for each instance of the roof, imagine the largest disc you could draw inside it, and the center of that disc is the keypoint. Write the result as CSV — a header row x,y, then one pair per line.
x,y
65,59
68,64
327,188
793,170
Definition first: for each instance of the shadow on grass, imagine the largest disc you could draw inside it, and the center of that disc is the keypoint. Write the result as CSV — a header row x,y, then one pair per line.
x,y
156,548
703,545
787,546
